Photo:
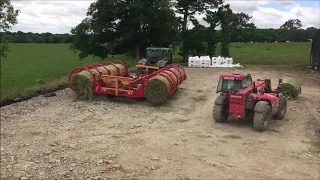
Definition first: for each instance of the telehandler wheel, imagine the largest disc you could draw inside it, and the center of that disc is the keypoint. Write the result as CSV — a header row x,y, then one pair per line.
x,y
262,116
220,113
282,108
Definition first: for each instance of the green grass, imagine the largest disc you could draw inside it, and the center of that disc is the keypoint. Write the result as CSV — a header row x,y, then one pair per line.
x,y
30,67
271,53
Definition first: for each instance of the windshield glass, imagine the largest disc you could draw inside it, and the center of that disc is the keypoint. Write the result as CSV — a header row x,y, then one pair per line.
x,y
157,54
227,84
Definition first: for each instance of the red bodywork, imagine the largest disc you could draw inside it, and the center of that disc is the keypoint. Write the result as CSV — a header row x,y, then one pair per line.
x,y
234,76
237,100
127,86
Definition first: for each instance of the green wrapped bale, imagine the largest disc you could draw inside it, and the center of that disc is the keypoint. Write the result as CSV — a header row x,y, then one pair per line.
x,y
82,82
291,87
158,88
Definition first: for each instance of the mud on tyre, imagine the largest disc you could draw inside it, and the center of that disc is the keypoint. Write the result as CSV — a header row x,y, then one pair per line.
x,y
282,108
262,116
220,111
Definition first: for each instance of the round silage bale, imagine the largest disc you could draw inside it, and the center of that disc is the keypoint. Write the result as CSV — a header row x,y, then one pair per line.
x,y
177,75
291,87
113,70
158,88
122,69
82,82
102,70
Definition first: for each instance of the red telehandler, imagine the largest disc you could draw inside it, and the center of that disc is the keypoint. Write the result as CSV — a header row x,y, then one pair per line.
x,y
241,99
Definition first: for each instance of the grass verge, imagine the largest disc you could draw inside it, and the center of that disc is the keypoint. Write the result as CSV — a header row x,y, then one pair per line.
x,y
25,91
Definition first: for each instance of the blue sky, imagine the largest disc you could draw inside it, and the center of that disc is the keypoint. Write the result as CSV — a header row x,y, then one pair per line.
x,y
279,5
60,16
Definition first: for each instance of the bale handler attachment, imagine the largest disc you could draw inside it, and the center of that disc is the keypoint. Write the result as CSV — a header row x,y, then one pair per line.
x,y
113,79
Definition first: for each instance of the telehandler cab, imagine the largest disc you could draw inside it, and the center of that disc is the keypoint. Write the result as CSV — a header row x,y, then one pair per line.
x,y
240,98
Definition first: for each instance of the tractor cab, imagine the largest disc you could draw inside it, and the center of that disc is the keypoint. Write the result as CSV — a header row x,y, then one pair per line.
x,y
157,56
233,82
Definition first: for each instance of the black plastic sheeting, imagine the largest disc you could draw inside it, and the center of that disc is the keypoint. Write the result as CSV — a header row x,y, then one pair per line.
x,y
38,93
315,48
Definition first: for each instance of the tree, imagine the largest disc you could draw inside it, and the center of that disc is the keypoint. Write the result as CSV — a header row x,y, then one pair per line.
x,y
117,26
234,26
241,29
188,8
222,17
225,15
8,18
196,41
291,24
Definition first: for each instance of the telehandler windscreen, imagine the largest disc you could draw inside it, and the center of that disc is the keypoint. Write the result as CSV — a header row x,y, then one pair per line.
x,y
228,84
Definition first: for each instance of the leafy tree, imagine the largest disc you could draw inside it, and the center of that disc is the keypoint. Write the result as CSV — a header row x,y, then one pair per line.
x,y
117,26
234,26
196,41
241,29
188,8
212,36
225,15
8,18
291,24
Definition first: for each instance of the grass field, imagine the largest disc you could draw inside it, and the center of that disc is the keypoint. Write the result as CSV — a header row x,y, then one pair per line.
x,y
271,53
30,67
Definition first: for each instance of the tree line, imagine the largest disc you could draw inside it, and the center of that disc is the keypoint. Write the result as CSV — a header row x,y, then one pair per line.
x,y
29,37
129,26
255,35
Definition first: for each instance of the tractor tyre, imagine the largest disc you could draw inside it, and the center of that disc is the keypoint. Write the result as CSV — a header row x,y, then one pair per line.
x,y
282,108
152,70
220,112
262,119
132,71
140,71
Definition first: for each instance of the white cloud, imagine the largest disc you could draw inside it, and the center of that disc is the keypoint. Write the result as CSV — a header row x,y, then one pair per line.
x,y
284,2
49,16
60,16
273,18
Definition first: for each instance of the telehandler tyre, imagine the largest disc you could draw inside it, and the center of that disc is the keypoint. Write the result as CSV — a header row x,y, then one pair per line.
x,y
262,116
282,108
220,113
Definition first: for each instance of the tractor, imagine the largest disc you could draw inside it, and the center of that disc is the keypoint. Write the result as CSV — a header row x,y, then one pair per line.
x,y
156,58
240,98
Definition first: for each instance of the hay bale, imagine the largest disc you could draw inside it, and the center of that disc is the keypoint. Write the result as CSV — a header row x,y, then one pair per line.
x,y
158,88
81,83
291,88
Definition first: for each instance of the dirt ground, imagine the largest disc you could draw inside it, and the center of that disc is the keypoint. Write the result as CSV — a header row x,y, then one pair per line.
x,y
58,138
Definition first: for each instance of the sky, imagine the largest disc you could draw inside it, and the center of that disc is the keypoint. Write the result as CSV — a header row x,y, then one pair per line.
x,y
58,16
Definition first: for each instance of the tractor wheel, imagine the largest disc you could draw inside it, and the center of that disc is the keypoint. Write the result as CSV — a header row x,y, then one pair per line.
x,y
151,71
282,108
262,117
140,71
220,112
132,71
